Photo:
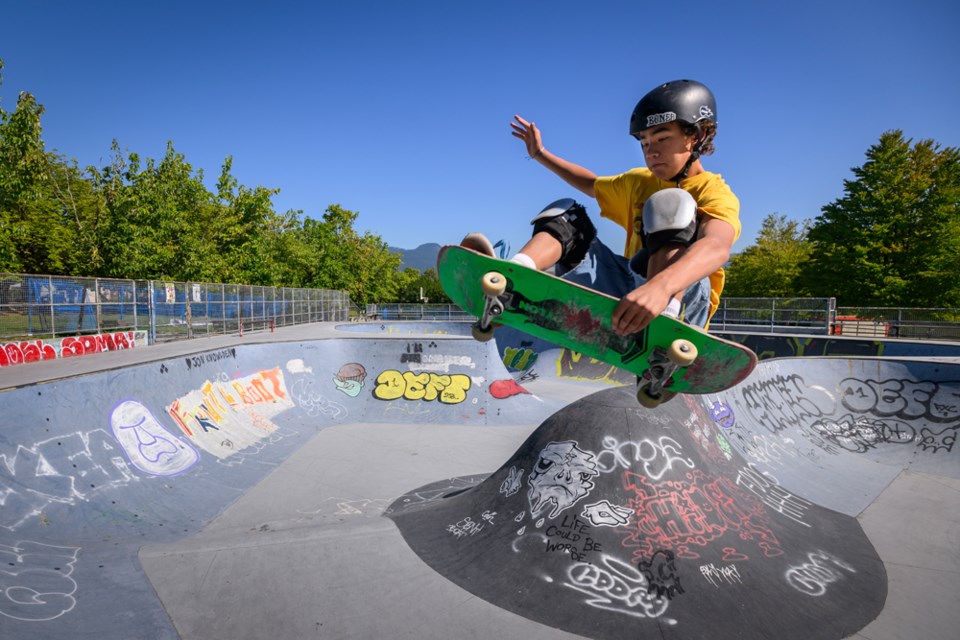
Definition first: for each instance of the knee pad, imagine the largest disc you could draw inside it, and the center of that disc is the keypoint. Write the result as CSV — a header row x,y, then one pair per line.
x,y
669,217
567,221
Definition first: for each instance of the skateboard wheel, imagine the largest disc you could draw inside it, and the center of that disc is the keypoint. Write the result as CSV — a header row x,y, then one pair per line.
x,y
481,335
682,352
493,283
646,400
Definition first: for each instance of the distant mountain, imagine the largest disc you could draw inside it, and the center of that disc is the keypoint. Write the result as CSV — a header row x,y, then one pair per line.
x,y
422,258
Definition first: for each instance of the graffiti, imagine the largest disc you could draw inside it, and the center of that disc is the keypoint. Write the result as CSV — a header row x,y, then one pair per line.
x,y
604,514
786,401
470,527
773,495
528,376
658,457
349,379
448,389
347,507
297,365
934,441
501,389
63,470
764,449
715,575
514,480
195,362
812,577
148,445
613,585
570,537
562,476
307,397
224,417
681,515
661,574
904,399
722,414
36,582
12,353
859,434
26,351
573,365
519,359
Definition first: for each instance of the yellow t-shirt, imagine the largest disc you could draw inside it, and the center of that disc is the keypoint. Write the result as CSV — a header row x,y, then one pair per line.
x,y
622,197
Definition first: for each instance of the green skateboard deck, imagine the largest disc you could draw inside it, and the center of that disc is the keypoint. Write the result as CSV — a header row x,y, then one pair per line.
x,y
580,319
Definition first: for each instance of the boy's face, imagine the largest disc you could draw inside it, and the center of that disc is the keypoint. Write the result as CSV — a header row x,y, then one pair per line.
x,y
665,149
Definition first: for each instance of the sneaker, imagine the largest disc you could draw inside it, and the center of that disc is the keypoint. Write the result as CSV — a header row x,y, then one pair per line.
x,y
478,242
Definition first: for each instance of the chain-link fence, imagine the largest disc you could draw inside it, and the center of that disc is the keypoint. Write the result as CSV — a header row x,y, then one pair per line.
x,y
774,315
816,316
914,324
49,307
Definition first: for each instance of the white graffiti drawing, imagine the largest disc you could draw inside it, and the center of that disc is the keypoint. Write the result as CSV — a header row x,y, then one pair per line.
x,y
657,457
604,514
298,366
714,574
613,585
148,445
35,581
562,476
347,507
309,397
773,495
64,470
812,577
465,527
514,480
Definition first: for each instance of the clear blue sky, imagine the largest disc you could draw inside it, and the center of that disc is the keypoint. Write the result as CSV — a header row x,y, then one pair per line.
x,y
401,110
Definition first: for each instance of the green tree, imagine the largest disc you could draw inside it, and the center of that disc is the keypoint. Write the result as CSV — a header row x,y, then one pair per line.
x,y
894,237
772,266
32,234
340,258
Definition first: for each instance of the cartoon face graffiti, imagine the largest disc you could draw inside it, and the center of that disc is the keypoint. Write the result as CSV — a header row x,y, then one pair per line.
x,y
350,379
563,475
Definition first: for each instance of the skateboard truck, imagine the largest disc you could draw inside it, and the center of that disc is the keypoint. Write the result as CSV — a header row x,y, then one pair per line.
x,y
493,285
663,364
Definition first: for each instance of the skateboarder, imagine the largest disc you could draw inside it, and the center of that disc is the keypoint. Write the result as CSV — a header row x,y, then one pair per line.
x,y
681,220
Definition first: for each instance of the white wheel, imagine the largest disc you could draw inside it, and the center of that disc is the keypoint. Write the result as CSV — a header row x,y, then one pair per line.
x,y
480,335
493,283
682,353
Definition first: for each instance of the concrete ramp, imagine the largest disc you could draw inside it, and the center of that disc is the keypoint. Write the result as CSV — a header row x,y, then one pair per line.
x,y
761,512
233,488
94,466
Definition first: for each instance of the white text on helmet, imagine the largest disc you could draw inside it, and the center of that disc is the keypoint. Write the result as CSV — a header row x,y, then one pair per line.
x,y
660,118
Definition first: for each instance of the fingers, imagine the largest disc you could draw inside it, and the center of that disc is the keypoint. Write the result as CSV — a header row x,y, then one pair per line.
x,y
522,128
629,318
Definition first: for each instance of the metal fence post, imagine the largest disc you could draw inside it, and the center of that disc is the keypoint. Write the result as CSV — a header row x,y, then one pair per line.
x,y
152,311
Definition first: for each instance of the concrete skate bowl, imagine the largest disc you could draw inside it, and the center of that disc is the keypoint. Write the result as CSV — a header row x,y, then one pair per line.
x,y
95,466
818,499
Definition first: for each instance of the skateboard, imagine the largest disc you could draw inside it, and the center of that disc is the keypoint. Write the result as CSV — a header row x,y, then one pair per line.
x,y
668,356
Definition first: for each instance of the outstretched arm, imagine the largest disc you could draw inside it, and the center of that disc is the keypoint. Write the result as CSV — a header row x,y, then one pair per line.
x,y
699,260
574,175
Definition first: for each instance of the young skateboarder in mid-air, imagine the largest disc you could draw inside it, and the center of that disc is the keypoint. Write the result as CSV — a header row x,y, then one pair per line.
x,y
681,220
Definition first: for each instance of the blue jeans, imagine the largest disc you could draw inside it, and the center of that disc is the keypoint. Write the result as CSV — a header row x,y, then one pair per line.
x,y
608,272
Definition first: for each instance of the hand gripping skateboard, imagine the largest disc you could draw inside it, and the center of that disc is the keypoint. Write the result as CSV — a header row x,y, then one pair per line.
x,y
668,356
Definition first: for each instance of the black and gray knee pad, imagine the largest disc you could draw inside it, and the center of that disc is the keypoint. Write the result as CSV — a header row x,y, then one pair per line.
x,y
568,222
669,217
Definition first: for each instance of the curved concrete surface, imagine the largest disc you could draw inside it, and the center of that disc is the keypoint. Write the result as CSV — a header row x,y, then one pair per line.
x,y
233,488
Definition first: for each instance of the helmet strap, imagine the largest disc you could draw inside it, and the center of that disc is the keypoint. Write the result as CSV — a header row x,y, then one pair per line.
x,y
694,156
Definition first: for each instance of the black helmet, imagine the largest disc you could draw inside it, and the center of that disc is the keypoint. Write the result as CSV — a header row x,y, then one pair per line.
x,y
684,100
